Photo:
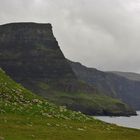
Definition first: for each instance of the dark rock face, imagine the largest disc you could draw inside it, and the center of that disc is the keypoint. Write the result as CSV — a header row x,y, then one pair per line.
x,y
30,54
110,84
128,75
30,50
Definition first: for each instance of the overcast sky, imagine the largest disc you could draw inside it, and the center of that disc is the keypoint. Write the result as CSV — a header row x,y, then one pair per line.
x,y
104,34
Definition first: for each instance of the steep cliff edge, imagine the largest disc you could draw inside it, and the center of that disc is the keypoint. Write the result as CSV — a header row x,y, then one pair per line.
x,y
30,54
129,75
30,50
111,84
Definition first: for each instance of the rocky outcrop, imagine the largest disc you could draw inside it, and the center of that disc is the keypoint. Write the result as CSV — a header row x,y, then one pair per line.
x,y
30,50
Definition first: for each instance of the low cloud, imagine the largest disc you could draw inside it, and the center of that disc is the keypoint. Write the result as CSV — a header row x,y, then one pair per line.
x,y
104,34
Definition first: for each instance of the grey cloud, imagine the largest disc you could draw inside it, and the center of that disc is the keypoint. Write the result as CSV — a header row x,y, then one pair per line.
x,y
102,34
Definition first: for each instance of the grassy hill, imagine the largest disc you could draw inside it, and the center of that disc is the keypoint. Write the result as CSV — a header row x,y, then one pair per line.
x,y
92,104
16,99
24,115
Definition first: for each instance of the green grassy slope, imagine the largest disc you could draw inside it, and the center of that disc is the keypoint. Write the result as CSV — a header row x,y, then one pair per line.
x,y
88,103
93,104
17,127
16,99
25,116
